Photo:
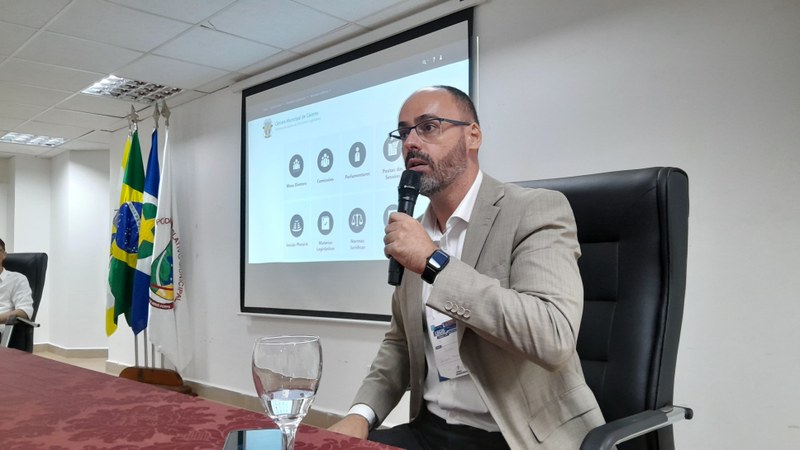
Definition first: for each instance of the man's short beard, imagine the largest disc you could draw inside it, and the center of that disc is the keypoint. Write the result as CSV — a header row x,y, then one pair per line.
x,y
448,169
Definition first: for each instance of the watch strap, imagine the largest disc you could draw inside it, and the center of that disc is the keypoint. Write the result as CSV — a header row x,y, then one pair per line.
x,y
436,262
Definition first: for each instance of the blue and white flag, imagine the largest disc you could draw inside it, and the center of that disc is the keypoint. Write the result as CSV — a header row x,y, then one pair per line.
x,y
141,278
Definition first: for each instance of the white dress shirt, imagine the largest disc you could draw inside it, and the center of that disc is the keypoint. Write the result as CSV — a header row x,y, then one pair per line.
x,y
15,293
455,400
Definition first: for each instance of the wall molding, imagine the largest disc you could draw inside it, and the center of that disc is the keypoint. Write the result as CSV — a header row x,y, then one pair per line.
x,y
71,352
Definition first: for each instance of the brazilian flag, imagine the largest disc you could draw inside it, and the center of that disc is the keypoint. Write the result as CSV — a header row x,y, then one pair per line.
x,y
125,232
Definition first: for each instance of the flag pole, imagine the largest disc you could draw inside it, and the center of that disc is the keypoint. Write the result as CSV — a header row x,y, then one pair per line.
x,y
150,350
150,373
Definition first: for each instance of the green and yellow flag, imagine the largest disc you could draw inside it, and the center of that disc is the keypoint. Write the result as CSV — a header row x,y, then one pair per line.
x,y
125,235
111,322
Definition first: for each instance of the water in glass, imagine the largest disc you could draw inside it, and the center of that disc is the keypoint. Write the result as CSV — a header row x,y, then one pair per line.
x,y
286,373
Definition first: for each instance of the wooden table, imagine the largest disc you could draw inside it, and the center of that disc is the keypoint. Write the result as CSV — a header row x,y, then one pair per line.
x,y
45,404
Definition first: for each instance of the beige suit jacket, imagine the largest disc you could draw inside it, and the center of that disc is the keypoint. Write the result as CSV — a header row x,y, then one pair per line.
x,y
518,293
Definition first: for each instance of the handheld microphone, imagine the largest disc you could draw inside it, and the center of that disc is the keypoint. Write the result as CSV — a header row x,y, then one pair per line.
x,y
408,190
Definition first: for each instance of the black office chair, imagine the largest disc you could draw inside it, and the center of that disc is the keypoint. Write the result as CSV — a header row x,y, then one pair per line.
x,y
633,230
19,332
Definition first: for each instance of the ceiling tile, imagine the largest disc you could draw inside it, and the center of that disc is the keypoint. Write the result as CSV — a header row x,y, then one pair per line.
x,y
122,123
53,130
44,75
329,39
13,36
351,10
28,95
76,119
10,110
191,11
96,140
76,53
212,48
102,137
220,83
80,144
183,97
171,72
33,13
108,106
8,124
114,24
270,63
397,11
278,23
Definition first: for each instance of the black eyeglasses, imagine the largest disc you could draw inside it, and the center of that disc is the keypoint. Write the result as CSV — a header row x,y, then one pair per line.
x,y
428,130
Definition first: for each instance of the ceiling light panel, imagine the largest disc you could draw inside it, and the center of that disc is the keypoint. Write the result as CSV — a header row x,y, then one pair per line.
x,y
32,139
132,90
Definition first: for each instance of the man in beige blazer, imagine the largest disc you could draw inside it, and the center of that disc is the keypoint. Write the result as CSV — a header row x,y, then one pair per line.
x,y
484,325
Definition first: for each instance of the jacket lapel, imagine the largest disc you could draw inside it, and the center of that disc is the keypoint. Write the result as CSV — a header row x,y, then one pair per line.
x,y
483,215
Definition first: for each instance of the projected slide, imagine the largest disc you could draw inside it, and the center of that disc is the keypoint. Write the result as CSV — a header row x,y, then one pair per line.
x,y
323,176
320,177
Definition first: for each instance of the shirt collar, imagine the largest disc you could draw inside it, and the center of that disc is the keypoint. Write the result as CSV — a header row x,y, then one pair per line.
x,y
463,210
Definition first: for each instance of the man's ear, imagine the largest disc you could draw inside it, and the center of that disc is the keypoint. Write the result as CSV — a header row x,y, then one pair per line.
x,y
475,137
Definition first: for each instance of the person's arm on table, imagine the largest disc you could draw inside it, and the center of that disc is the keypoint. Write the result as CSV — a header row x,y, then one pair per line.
x,y
354,423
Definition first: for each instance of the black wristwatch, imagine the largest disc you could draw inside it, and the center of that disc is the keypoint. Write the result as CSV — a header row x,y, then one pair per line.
x,y
435,264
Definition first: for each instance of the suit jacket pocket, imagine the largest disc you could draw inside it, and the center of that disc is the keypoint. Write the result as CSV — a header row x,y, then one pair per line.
x,y
573,403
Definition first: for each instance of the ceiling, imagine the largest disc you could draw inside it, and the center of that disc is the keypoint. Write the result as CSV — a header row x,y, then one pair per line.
x,y
51,50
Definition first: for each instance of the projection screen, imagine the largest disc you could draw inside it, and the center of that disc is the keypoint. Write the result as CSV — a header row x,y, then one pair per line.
x,y
319,177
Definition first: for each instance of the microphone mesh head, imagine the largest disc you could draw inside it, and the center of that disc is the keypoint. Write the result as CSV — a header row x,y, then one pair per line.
x,y
410,182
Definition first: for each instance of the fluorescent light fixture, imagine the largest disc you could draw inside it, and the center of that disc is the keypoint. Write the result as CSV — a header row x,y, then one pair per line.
x,y
125,89
31,139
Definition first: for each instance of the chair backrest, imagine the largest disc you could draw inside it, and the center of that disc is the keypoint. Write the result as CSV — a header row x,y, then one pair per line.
x,y
34,267
633,231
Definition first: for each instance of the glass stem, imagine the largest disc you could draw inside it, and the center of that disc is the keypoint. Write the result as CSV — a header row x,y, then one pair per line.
x,y
288,432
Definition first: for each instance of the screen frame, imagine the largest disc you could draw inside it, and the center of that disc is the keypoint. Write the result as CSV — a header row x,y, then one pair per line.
x,y
466,15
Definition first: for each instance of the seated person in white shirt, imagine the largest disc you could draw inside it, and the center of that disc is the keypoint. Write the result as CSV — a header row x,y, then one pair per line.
x,y
485,322
15,293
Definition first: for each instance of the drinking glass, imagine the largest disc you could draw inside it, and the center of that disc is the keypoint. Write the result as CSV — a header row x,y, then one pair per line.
x,y
286,372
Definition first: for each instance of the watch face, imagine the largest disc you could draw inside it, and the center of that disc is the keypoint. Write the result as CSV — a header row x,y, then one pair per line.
x,y
435,264
438,259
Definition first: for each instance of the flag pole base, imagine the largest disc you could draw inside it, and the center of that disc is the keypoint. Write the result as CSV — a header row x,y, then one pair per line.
x,y
163,378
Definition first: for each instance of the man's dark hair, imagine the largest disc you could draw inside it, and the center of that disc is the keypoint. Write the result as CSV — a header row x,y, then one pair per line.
x,y
463,101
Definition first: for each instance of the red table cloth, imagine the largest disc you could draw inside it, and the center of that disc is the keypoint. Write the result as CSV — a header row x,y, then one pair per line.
x,y
45,404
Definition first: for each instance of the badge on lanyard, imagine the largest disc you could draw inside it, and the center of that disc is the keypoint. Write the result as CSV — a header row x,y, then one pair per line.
x,y
443,333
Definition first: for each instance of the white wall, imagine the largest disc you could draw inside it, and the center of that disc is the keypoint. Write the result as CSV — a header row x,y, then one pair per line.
x,y
30,199
566,88
78,263
58,206
713,87
29,224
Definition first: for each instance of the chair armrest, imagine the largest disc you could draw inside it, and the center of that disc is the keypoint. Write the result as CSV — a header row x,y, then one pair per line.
x,y
607,436
13,320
